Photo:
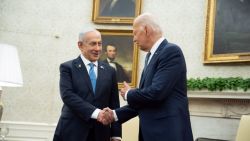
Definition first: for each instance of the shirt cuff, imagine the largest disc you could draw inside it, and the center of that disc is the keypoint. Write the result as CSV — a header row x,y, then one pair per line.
x,y
95,114
118,138
125,96
115,116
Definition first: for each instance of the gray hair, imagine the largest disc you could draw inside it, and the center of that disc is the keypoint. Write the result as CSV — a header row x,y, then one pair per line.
x,y
150,20
84,32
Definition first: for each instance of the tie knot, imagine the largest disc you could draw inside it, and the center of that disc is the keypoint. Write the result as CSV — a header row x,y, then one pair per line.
x,y
148,54
91,65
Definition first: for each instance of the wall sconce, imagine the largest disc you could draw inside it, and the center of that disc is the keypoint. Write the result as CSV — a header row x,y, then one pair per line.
x,y
10,70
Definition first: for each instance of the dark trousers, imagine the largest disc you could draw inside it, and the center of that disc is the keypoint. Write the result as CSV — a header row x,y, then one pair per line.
x,y
91,135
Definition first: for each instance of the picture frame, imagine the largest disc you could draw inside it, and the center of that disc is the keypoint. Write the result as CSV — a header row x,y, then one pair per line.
x,y
115,11
227,32
127,54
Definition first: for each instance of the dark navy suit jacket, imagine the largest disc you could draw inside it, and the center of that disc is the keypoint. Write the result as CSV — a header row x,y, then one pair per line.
x,y
161,99
80,102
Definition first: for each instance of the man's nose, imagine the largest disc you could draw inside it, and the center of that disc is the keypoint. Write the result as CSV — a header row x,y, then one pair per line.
x,y
98,47
134,40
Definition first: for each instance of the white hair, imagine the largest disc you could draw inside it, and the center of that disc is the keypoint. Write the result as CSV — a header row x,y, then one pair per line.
x,y
85,31
150,20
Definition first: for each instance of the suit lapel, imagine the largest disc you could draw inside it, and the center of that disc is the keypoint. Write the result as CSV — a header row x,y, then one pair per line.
x,y
152,61
100,76
83,73
142,79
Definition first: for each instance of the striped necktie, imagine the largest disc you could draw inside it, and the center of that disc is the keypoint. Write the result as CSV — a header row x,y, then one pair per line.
x,y
92,76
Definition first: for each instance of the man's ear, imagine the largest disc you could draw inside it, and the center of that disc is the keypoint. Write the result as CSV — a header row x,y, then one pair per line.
x,y
148,30
79,44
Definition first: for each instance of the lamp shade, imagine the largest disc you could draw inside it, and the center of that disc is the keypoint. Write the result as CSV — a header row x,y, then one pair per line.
x,y
10,71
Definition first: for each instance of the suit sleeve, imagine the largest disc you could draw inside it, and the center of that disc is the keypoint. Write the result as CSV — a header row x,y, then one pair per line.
x,y
169,68
72,100
115,103
125,113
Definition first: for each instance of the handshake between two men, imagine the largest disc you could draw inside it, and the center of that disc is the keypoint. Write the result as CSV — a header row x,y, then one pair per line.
x,y
106,116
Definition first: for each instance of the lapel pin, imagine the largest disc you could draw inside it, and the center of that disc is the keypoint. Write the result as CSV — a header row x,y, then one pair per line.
x,y
101,67
79,66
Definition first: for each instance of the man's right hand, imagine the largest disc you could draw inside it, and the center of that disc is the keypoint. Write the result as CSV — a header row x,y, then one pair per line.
x,y
105,116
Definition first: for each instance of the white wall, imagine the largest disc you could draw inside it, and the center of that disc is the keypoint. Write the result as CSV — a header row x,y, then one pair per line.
x,y
33,26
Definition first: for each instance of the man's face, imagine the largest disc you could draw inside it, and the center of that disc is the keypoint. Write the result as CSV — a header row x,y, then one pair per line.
x,y
111,52
140,37
91,46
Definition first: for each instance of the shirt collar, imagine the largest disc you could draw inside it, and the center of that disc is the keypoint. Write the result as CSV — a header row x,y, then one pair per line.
x,y
109,60
86,61
156,45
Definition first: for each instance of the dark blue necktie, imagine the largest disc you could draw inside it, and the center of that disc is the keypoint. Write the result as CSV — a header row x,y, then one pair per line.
x,y
92,76
144,69
146,60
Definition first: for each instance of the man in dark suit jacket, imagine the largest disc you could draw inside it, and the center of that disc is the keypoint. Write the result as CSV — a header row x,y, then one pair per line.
x,y
161,99
111,53
81,115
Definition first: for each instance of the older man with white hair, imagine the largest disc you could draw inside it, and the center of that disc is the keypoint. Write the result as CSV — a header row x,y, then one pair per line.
x,y
161,100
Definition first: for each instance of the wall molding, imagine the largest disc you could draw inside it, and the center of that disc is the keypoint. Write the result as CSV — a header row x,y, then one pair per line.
x,y
28,131
219,94
219,104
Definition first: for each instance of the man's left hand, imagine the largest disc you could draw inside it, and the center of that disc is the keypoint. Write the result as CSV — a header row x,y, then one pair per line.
x,y
125,88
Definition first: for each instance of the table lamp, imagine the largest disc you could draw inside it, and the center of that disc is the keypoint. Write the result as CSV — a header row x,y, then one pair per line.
x,y
10,71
